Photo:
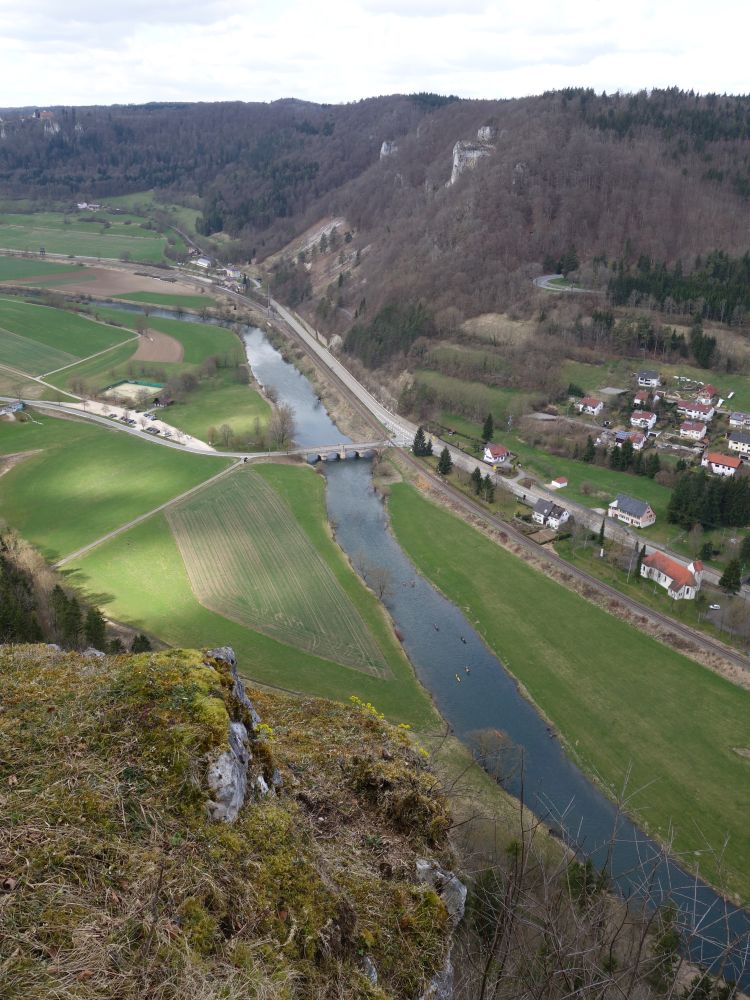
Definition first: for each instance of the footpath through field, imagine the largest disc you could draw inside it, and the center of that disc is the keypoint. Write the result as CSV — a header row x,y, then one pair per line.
x,y
144,517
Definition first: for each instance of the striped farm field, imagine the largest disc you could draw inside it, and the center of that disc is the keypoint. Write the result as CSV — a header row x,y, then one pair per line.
x,y
249,560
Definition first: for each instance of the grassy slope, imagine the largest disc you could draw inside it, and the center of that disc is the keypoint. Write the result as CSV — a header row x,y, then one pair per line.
x,y
619,696
87,481
150,589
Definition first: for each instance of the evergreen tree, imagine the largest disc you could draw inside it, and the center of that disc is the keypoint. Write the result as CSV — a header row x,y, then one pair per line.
x,y
745,551
95,629
638,466
428,447
72,623
731,578
600,537
476,480
626,454
116,647
489,428
445,462
589,452
419,446
140,644
707,551
651,464
488,489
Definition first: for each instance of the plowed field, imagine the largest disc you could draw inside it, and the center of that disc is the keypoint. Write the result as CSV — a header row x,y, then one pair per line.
x,y
249,560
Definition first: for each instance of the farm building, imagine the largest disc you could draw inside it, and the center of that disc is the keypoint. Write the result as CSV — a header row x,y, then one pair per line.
x,y
649,379
739,442
560,483
591,405
629,510
694,429
549,514
203,262
695,411
720,464
681,582
494,453
643,419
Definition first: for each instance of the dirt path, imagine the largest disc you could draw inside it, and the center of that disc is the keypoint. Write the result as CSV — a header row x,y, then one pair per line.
x,y
160,347
144,517
8,462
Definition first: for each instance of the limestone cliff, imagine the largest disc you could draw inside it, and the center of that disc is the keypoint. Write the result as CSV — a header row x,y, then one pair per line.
x,y
166,835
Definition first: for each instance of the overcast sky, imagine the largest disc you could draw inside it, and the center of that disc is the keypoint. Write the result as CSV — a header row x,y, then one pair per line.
x,y
121,51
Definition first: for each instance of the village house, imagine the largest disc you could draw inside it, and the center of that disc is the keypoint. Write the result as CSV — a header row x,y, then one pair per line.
x,y
720,464
631,511
549,514
649,379
590,404
560,483
739,442
695,411
636,438
681,582
738,419
494,453
10,408
643,419
694,429
707,394
203,262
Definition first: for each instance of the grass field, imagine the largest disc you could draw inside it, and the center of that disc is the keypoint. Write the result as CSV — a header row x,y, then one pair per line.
x,y
122,238
141,578
87,480
166,300
14,268
249,560
220,401
455,393
37,339
617,696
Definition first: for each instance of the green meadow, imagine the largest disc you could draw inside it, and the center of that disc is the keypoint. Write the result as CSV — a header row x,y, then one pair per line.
x,y
141,578
86,480
114,236
622,702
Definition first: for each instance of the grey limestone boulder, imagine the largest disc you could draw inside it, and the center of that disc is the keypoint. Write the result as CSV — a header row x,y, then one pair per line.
x,y
448,886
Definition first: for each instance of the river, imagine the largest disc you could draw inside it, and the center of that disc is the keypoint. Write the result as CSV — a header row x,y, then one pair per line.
x,y
487,698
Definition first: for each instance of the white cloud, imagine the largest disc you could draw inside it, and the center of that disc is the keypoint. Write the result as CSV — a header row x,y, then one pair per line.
x,y
89,52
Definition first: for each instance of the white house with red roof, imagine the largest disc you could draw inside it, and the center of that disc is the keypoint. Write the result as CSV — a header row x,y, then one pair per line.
x,y
694,429
694,410
707,394
494,453
681,582
644,419
590,404
720,464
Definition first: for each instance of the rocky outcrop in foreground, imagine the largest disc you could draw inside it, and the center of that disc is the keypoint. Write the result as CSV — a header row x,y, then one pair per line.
x,y
168,834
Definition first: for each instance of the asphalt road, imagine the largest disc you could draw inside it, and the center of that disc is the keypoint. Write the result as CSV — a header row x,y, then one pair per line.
x,y
545,281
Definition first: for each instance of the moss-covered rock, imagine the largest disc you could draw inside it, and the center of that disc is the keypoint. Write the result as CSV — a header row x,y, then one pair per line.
x,y
119,884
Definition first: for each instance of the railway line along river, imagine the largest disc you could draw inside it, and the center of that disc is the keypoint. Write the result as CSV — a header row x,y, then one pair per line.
x,y
441,642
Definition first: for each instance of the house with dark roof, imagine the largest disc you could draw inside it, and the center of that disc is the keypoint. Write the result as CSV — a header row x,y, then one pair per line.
x,y
636,438
739,441
738,419
681,582
649,379
630,510
549,514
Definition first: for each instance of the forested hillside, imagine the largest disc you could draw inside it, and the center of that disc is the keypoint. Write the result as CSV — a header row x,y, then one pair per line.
x,y
648,195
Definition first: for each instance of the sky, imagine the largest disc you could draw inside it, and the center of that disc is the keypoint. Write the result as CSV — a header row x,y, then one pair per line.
x,y
56,52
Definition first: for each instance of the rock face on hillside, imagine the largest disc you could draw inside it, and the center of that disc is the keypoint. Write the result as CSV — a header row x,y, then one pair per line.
x,y
389,148
467,153
214,844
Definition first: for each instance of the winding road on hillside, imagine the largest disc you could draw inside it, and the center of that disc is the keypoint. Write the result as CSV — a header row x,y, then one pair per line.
x,y
546,281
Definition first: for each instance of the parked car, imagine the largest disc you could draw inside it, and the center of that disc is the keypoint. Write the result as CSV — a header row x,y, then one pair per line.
x,y
714,607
